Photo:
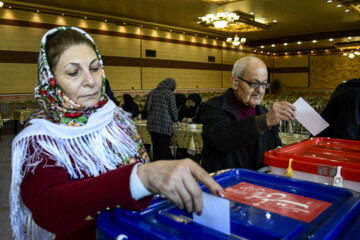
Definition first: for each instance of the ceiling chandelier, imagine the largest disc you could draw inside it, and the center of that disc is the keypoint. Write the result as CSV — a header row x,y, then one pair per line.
x,y
236,41
220,19
235,21
352,54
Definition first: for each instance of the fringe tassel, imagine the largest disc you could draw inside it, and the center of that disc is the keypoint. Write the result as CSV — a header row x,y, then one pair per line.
x,y
93,153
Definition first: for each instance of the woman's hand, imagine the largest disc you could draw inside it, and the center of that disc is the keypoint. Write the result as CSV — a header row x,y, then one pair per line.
x,y
177,180
280,111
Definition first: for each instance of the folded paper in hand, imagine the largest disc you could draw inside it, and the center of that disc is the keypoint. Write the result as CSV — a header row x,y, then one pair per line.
x,y
309,118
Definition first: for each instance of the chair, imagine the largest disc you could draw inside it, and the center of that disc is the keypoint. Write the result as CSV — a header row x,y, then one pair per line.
x,y
6,108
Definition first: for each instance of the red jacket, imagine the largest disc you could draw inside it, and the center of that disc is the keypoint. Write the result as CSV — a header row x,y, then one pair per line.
x,y
60,204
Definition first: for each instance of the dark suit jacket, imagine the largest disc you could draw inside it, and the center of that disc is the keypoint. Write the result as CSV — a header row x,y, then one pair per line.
x,y
229,141
343,112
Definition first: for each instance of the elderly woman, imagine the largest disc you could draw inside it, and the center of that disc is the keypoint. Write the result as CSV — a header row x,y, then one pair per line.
x,y
162,113
237,130
82,154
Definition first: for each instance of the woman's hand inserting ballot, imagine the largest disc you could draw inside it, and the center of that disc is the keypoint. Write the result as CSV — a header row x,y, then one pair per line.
x,y
178,181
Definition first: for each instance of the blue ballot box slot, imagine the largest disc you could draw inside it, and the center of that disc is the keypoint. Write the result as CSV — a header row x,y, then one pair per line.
x,y
163,220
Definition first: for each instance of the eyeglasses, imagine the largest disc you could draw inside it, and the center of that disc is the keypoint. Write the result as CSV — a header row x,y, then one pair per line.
x,y
255,84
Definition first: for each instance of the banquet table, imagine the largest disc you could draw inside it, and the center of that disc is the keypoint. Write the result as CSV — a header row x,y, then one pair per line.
x,y
188,136
21,116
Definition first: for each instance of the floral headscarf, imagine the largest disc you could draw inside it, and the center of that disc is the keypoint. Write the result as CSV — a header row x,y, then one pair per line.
x,y
57,107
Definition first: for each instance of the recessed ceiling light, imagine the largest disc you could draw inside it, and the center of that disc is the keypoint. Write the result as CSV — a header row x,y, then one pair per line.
x,y
331,39
262,46
274,20
298,42
273,45
263,17
37,11
1,4
314,41
285,44
329,1
339,5
299,52
349,37
347,10
171,31
9,6
105,20
252,13
274,53
312,51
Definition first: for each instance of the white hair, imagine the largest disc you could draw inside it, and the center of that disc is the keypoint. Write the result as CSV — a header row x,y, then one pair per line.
x,y
241,65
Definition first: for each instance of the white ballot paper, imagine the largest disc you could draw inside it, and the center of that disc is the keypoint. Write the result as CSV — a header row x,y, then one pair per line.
x,y
309,118
215,214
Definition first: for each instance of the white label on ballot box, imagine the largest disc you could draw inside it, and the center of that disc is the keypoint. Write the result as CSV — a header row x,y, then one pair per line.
x,y
309,118
215,214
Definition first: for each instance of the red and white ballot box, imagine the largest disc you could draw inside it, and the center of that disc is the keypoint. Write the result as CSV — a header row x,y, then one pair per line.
x,y
329,161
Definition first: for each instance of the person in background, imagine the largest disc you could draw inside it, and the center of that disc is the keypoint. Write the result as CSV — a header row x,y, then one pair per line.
x,y
82,154
342,112
193,114
109,93
181,105
162,113
130,106
237,130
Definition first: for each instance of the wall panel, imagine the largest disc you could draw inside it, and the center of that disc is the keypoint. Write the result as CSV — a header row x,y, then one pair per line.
x,y
17,78
123,78
330,70
292,79
181,52
20,38
291,61
117,46
185,78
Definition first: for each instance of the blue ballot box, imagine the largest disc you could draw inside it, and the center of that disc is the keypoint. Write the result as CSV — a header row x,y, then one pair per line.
x,y
262,206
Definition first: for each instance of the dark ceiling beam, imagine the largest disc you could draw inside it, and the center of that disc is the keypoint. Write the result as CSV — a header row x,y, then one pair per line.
x,y
306,37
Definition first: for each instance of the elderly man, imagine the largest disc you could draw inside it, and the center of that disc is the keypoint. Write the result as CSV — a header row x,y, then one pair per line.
x,y
236,129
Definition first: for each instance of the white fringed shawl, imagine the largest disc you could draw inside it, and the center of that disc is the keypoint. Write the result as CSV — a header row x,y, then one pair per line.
x,y
87,145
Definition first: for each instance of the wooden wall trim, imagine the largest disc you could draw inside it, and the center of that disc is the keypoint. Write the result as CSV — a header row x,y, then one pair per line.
x,y
18,57
289,70
32,58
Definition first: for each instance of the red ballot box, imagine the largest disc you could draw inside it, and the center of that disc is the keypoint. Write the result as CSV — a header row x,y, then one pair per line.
x,y
323,160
